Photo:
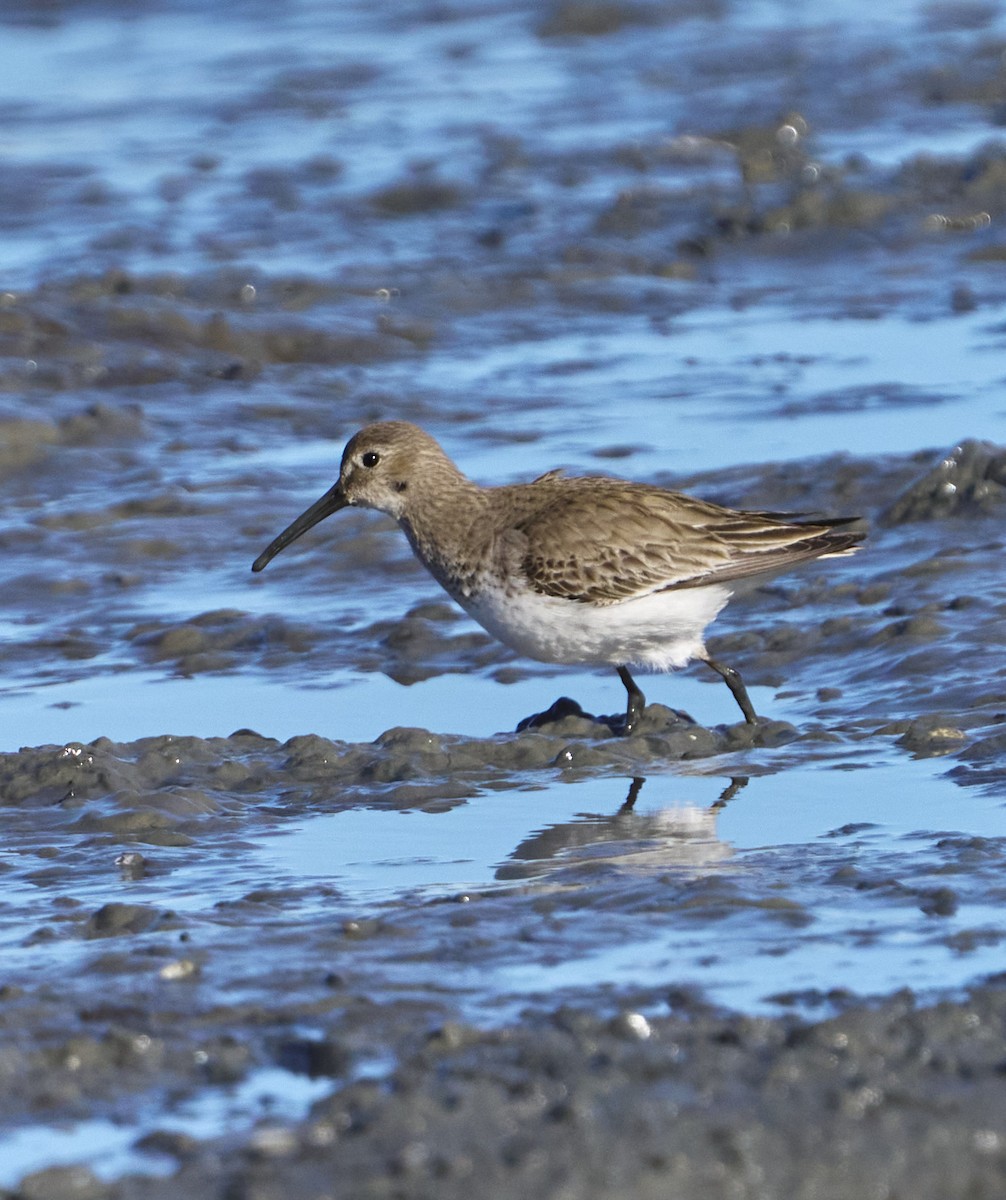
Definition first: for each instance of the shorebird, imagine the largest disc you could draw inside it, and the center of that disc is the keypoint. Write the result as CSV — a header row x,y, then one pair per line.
x,y
589,570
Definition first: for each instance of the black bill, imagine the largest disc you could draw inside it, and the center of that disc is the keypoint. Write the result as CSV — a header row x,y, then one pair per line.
x,y
331,502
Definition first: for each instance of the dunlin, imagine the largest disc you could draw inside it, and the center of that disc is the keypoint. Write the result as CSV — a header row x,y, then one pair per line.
x,y
589,570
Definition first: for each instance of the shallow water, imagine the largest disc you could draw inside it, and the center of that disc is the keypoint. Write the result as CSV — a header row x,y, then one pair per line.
x,y
268,1094
772,829
759,256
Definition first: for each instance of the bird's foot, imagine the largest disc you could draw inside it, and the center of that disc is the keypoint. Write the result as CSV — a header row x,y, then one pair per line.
x,y
623,724
565,707
562,708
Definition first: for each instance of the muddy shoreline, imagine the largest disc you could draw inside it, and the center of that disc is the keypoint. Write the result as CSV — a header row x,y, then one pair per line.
x,y
116,1009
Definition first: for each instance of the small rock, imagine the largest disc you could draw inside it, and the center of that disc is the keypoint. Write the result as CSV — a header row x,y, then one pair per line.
x,y
62,1183
181,968
116,920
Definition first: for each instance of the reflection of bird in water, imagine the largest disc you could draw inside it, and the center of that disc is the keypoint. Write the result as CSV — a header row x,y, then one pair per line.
x,y
737,784
677,836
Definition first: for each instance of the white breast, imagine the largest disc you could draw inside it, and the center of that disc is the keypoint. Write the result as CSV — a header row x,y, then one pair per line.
x,y
662,630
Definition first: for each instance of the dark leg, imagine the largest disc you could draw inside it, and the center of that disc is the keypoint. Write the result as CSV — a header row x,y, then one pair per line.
x,y
637,701
634,789
736,685
737,784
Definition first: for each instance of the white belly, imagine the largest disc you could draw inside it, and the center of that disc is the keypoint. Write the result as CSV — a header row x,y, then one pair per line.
x,y
662,630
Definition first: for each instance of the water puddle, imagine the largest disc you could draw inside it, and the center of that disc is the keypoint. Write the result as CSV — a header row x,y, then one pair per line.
x,y
780,840
109,1148
346,706
851,382
374,855
744,970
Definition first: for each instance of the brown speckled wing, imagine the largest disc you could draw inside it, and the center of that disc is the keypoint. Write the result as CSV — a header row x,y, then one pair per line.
x,y
600,541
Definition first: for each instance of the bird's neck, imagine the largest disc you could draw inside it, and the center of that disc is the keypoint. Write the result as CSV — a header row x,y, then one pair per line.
x,y
447,530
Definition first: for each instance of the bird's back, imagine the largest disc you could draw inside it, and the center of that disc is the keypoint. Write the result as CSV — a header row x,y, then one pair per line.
x,y
600,540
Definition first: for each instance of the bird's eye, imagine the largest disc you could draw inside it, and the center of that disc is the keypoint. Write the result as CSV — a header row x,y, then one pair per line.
x,y
371,458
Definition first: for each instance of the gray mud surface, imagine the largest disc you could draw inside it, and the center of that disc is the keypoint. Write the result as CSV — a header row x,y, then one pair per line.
x,y
695,243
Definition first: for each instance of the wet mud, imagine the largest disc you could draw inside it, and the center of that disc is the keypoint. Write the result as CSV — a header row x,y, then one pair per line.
x,y
711,248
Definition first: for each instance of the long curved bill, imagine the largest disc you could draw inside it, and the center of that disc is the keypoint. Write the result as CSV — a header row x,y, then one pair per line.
x,y
331,502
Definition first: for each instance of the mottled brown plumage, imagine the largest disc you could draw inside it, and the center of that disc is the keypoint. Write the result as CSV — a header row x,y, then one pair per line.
x,y
584,569
601,540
